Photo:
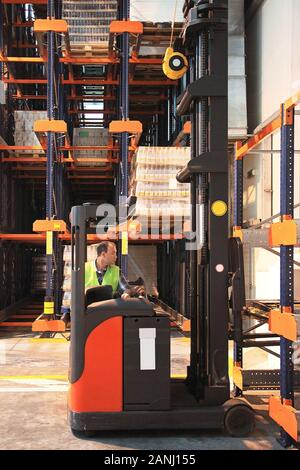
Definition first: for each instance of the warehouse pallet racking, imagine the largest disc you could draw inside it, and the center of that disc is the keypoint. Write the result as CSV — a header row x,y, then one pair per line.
x,y
282,316
41,70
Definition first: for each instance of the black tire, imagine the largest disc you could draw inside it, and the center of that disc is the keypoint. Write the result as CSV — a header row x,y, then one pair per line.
x,y
239,421
90,433
83,434
76,433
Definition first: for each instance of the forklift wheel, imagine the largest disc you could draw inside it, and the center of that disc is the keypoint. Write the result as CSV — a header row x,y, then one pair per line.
x,y
239,421
90,433
82,434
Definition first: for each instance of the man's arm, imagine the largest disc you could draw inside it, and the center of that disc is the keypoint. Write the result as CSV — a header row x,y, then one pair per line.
x,y
127,290
123,284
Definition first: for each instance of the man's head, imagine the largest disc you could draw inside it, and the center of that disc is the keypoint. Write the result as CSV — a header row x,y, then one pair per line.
x,y
106,253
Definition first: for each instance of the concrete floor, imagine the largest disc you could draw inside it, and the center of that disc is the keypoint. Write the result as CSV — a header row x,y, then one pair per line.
x,y
33,405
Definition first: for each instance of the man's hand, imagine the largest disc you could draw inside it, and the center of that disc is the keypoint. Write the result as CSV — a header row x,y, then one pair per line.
x,y
137,291
125,296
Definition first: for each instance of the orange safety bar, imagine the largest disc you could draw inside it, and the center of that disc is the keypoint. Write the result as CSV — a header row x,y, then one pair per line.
x,y
187,128
24,81
55,326
133,127
292,102
269,129
26,159
41,237
284,415
283,233
43,26
126,26
95,81
287,119
29,97
49,226
186,325
284,324
106,60
50,125
21,147
21,59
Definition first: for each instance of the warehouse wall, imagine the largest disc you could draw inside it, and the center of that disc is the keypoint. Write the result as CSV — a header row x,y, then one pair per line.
x,y
273,61
156,11
273,75
237,105
163,11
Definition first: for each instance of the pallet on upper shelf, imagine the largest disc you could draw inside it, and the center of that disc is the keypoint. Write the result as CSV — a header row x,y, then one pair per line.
x,y
89,50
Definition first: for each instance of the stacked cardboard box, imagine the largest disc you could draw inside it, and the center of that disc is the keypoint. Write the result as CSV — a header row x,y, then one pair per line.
x,y
24,121
90,137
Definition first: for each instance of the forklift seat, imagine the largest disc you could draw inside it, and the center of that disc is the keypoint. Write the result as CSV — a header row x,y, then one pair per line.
x,y
98,294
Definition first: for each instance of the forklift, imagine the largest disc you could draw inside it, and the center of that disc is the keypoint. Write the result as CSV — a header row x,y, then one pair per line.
x,y
120,349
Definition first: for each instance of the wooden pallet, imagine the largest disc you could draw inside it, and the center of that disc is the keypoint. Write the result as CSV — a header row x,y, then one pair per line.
x,y
89,50
29,153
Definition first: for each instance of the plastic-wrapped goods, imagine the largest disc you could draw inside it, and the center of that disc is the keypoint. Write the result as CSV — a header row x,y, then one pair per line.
x,y
153,182
84,137
91,254
66,287
24,134
88,21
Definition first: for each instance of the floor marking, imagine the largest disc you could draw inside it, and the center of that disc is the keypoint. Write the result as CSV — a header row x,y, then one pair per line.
x,y
33,377
48,340
59,377
61,388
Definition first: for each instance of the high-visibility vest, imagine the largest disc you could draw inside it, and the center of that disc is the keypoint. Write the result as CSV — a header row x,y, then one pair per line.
x,y
111,276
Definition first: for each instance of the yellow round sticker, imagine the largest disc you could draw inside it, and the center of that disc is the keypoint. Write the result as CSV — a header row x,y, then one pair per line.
x,y
219,208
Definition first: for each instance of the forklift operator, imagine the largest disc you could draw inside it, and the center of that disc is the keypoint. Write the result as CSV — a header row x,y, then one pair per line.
x,y
103,271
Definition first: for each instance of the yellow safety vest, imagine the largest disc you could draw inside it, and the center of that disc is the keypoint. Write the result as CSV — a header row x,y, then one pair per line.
x,y
111,276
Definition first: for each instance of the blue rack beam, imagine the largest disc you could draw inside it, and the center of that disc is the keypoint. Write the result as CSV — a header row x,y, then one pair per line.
x,y
287,259
124,108
238,222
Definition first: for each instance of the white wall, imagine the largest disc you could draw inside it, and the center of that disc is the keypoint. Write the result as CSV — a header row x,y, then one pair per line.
x,y
273,37
273,70
155,11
